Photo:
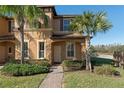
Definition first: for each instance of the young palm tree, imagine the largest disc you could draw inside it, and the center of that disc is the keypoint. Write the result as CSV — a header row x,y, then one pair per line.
x,y
21,13
89,24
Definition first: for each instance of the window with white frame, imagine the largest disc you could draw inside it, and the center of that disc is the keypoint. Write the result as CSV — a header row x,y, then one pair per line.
x,y
70,49
41,50
26,49
66,23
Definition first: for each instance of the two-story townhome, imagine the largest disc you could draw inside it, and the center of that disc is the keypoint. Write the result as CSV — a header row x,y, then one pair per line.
x,y
54,42
7,44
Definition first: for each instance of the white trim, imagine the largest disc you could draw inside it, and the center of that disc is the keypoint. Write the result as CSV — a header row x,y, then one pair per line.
x,y
74,49
28,49
38,48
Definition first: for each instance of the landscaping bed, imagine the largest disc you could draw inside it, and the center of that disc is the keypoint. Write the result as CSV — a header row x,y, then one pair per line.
x,y
23,69
106,70
105,75
26,75
26,69
71,65
43,62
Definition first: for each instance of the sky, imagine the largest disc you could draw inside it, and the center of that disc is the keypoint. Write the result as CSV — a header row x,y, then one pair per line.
x,y
115,15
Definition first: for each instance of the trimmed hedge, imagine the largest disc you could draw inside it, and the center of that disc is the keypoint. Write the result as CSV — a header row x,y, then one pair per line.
x,y
106,70
23,69
42,62
69,65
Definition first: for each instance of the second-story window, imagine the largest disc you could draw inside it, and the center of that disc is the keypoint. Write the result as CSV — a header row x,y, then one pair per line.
x,y
66,23
10,25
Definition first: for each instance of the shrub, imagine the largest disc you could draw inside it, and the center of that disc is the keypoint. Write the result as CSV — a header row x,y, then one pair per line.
x,y
105,70
12,61
72,64
24,69
42,62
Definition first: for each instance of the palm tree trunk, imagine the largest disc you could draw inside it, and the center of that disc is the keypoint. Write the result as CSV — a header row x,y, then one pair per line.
x,y
88,59
22,43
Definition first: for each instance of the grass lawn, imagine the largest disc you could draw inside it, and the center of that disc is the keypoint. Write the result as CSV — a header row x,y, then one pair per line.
x,y
85,79
21,82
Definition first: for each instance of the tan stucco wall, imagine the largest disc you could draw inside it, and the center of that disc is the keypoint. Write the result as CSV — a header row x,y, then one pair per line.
x,y
33,38
56,24
4,27
41,20
4,51
78,49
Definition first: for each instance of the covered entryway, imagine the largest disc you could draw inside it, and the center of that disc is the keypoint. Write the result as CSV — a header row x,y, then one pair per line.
x,y
67,47
7,48
57,54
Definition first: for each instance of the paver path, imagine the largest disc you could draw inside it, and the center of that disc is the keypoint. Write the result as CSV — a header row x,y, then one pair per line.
x,y
53,79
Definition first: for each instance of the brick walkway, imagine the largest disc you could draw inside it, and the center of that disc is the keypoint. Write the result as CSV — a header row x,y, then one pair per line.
x,y
53,79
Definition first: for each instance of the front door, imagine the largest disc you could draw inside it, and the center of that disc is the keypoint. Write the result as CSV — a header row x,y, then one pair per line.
x,y
57,54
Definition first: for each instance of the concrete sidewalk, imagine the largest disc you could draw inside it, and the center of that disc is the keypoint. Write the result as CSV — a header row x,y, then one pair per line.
x,y
53,79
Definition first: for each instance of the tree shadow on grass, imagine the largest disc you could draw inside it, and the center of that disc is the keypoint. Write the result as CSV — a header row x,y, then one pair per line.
x,y
101,61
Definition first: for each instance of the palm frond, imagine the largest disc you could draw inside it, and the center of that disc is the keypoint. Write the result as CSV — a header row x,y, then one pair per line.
x,y
91,23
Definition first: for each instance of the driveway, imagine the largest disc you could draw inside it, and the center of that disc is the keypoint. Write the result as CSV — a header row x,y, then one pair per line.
x,y
106,56
53,79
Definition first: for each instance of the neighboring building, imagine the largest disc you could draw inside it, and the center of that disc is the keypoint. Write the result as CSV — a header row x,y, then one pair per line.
x,y
54,42
7,44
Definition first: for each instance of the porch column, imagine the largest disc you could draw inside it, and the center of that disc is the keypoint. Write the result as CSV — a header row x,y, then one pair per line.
x,y
49,51
83,49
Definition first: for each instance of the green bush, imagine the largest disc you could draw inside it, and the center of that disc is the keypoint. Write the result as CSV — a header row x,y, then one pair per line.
x,y
23,69
105,70
42,62
72,64
12,61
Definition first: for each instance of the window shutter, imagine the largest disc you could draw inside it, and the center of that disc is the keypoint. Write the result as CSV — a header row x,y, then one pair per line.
x,y
61,24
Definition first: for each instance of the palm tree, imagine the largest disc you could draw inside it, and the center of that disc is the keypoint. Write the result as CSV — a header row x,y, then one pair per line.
x,y
22,13
89,24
